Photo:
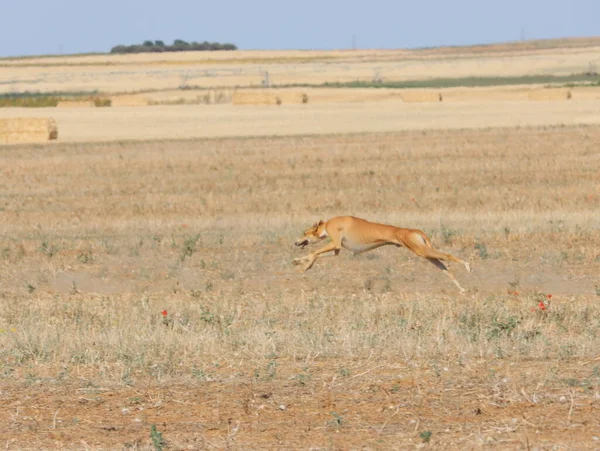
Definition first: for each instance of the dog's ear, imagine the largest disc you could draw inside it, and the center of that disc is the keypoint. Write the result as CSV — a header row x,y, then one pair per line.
x,y
320,223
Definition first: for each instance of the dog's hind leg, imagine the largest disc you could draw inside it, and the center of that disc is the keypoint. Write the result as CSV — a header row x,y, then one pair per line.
x,y
446,271
420,245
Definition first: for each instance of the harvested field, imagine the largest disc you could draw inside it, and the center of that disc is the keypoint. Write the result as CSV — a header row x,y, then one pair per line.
x,y
150,284
194,121
14,130
117,74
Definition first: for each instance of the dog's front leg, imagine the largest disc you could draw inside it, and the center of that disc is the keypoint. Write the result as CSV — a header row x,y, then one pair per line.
x,y
331,247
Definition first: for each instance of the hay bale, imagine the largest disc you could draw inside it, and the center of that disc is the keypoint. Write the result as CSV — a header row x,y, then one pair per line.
x,y
549,94
27,130
76,104
129,100
268,97
413,96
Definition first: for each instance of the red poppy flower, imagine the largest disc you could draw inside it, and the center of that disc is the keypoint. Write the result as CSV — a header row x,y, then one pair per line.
x,y
542,306
549,296
164,313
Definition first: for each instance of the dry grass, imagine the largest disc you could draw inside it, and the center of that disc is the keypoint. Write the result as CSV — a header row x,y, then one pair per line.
x,y
512,190
27,130
97,240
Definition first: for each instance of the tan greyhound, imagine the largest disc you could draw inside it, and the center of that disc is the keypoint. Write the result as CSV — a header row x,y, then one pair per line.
x,y
358,236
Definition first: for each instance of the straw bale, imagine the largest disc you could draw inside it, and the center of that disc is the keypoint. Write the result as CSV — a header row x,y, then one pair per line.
x,y
549,94
27,130
76,104
413,95
268,97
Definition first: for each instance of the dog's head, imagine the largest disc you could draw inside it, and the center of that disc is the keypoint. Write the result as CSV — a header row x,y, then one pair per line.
x,y
312,235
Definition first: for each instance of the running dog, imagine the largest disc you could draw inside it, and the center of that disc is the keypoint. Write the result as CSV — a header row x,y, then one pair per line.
x,y
358,236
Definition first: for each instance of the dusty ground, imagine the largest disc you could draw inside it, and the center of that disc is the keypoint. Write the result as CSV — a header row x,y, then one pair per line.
x,y
149,284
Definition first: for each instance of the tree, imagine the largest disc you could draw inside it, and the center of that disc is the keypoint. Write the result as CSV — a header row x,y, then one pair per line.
x,y
119,49
179,45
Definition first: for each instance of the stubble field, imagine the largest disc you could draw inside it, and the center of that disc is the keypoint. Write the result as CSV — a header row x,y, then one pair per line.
x,y
147,293
169,71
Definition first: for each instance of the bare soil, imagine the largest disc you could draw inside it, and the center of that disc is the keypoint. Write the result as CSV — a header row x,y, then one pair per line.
x,y
379,405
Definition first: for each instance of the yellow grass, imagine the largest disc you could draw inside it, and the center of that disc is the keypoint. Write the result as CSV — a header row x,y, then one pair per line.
x,y
18,130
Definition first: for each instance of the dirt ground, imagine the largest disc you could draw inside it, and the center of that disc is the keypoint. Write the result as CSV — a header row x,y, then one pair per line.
x,y
381,405
148,301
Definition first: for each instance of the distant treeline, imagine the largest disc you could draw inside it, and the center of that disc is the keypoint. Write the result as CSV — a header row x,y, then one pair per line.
x,y
177,46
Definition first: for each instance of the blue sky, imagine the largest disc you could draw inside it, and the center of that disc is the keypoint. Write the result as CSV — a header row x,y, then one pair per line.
x,y
34,27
